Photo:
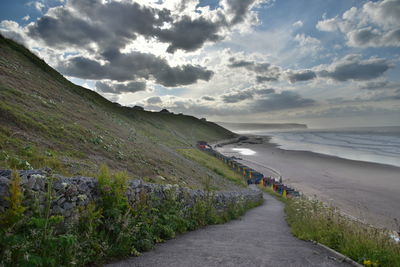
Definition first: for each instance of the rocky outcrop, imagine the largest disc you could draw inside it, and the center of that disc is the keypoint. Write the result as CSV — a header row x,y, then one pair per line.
x,y
69,194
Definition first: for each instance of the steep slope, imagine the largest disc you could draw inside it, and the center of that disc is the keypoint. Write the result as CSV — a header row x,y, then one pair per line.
x,y
45,120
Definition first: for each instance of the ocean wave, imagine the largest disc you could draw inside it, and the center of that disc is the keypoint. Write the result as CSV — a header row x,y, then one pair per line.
x,y
373,146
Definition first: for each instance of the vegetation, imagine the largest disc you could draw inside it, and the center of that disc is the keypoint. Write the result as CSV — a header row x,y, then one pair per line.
x,y
105,230
214,164
47,121
312,220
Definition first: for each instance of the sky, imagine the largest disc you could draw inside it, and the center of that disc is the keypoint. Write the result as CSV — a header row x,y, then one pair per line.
x,y
332,63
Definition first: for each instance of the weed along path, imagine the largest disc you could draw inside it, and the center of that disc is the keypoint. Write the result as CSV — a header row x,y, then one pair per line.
x,y
260,238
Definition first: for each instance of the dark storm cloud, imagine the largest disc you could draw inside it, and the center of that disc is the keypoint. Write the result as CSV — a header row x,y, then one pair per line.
x,y
264,91
208,98
261,79
126,67
374,85
263,100
240,63
299,76
112,24
363,37
265,71
380,86
154,100
368,37
282,100
66,29
103,28
130,87
238,96
238,9
353,68
188,34
115,24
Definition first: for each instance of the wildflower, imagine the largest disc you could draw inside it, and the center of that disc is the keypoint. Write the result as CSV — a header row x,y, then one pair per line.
x,y
370,263
367,262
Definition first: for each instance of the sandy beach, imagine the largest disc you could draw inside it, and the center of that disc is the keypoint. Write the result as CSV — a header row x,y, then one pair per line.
x,y
367,191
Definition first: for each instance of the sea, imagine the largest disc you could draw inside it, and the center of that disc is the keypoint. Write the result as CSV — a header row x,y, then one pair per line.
x,y
370,144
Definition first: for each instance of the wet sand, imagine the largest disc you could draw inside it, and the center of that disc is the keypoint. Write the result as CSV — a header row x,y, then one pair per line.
x,y
367,191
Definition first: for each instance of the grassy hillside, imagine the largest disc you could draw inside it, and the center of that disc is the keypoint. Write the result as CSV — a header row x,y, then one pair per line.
x,y
45,120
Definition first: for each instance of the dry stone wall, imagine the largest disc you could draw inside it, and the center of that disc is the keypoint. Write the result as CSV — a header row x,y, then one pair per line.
x,y
69,194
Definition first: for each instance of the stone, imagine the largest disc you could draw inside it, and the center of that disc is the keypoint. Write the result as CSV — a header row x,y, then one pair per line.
x,y
61,201
67,213
31,182
58,185
67,206
57,210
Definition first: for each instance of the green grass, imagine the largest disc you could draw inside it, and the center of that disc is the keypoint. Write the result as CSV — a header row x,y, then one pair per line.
x,y
214,164
312,220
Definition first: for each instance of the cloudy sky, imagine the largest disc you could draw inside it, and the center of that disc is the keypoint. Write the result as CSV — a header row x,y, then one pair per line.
x,y
325,63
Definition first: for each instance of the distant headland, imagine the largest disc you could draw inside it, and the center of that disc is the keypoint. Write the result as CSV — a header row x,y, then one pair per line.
x,y
261,126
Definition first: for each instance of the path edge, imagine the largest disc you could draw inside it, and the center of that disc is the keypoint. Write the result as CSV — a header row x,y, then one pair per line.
x,y
337,254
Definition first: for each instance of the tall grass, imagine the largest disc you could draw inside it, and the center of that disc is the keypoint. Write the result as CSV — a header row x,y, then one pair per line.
x,y
214,164
313,220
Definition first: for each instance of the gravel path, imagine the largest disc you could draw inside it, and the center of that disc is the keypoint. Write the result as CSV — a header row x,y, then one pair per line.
x,y
260,238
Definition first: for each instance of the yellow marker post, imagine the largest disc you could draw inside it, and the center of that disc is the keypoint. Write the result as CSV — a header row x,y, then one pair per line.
x,y
284,193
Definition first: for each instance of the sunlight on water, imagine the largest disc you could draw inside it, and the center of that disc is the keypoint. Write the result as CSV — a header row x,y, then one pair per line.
x,y
245,151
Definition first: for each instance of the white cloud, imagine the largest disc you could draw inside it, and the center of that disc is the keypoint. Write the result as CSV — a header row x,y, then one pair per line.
x,y
298,24
308,45
375,24
26,18
13,30
39,5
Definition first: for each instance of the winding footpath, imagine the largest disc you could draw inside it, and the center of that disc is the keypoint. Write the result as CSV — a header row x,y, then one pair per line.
x,y
260,238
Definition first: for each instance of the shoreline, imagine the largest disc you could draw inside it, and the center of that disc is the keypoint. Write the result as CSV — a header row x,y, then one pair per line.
x,y
267,142
366,191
